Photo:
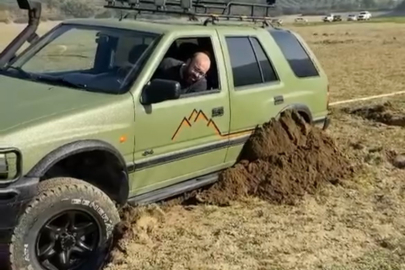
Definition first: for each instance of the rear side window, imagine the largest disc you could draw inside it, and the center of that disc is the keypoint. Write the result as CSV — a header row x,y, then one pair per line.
x,y
268,72
295,54
250,64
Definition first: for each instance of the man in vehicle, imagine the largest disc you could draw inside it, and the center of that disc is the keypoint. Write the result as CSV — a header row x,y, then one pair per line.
x,y
190,75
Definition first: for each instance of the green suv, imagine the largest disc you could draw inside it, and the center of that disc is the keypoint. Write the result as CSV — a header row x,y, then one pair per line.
x,y
87,128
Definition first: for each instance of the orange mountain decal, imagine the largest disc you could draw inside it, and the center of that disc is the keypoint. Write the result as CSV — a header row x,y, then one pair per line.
x,y
214,126
194,117
197,116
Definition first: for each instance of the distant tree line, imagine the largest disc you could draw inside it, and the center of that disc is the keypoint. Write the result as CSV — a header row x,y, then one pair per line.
x,y
55,10
61,9
401,6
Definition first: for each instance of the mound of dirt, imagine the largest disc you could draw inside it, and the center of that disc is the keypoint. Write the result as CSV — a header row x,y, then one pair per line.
x,y
281,161
384,113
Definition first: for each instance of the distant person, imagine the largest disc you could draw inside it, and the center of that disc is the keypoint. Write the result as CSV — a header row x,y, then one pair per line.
x,y
190,74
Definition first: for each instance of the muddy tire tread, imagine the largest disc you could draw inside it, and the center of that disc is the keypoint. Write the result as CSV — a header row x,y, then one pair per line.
x,y
57,187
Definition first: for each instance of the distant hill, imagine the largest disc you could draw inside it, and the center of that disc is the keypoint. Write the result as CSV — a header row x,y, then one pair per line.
x,y
298,4
60,9
401,7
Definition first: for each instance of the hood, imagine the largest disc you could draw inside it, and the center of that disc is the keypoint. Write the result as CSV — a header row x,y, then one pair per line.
x,y
23,101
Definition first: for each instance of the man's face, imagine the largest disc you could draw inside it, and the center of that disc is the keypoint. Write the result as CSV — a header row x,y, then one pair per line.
x,y
195,70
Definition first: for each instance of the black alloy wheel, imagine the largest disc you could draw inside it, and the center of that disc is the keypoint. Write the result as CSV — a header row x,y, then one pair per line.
x,y
66,241
68,226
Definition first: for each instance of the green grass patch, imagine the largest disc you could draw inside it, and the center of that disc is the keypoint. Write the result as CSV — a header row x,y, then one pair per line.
x,y
397,19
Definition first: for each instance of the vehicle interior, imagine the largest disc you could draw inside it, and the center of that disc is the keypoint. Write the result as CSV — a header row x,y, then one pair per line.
x,y
184,48
115,56
101,60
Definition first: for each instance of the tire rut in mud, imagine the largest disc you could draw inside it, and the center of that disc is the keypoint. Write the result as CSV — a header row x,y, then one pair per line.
x,y
386,113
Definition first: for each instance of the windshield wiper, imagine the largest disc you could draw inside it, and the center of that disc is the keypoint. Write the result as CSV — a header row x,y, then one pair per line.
x,y
61,81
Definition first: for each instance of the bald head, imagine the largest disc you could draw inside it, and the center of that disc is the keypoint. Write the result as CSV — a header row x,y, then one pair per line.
x,y
197,66
201,61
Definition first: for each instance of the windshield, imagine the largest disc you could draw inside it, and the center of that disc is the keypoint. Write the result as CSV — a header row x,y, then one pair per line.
x,y
90,58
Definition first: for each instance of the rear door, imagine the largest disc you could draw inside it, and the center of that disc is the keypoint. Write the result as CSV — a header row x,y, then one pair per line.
x,y
307,81
256,88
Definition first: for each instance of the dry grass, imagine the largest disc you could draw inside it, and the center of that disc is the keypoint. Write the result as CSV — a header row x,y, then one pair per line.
x,y
360,60
356,226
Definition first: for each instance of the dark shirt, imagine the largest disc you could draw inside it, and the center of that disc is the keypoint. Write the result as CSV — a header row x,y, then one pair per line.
x,y
169,69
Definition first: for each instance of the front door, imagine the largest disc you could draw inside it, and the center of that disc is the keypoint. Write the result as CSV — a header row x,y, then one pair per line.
x,y
179,139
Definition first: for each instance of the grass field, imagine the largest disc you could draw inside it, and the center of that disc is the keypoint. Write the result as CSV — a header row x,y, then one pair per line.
x,y
360,225
360,59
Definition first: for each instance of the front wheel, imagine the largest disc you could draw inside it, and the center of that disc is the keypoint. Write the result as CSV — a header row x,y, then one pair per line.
x,y
68,226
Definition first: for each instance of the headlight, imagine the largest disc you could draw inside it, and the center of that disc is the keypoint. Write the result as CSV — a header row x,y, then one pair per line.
x,y
3,167
8,168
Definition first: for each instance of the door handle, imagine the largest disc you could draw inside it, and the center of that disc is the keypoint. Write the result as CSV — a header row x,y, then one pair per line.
x,y
219,111
278,100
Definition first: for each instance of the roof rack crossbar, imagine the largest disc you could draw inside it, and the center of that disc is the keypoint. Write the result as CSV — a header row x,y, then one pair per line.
x,y
186,6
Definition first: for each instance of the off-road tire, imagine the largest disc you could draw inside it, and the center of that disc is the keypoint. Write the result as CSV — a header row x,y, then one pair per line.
x,y
54,197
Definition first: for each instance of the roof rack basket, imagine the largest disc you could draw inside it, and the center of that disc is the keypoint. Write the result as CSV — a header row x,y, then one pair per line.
x,y
185,8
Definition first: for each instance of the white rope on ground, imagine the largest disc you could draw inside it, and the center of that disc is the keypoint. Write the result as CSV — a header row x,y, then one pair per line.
x,y
365,98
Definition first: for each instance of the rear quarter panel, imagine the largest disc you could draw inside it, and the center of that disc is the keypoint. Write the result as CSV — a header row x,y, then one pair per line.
x,y
317,100
310,91
251,105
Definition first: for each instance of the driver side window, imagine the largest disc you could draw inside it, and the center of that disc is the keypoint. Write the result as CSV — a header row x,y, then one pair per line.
x,y
192,78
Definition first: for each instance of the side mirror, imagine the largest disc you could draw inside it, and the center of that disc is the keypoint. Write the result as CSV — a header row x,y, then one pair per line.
x,y
24,4
159,90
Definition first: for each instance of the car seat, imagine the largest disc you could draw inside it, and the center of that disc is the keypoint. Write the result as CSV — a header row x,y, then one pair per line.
x,y
136,52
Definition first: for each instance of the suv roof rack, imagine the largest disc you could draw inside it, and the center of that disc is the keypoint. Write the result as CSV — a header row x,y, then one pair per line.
x,y
185,8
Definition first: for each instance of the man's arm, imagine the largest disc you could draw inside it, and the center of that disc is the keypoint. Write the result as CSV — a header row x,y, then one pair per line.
x,y
199,86
165,65
168,63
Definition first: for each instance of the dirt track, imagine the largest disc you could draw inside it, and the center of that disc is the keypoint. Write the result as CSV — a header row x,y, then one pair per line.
x,y
384,113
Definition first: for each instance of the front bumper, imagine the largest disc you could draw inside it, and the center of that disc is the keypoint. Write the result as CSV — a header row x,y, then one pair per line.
x,y
13,200
15,194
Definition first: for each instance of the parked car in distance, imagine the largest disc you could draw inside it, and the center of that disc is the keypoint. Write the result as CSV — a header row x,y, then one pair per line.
x,y
300,20
328,18
352,17
332,18
364,15
278,22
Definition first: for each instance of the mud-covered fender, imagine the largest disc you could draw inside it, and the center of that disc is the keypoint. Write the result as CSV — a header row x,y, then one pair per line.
x,y
304,111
